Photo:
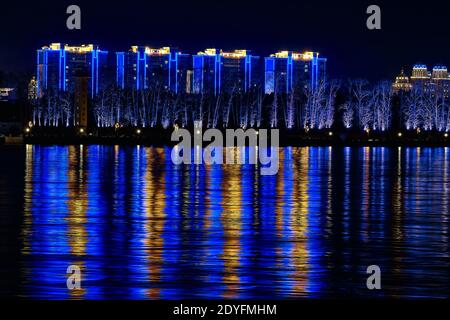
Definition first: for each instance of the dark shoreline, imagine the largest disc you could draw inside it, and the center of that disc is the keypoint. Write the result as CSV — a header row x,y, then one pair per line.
x,y
162,137
311,143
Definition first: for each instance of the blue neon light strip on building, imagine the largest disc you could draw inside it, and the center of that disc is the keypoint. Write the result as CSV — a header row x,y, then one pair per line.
x,y
176,72
120,72
314,72
37,76
64,70
217,74
250,73
59,69
137,70
269,74
46,68
247,63
170,70
142,60
92,72
173,58
96,78
289,74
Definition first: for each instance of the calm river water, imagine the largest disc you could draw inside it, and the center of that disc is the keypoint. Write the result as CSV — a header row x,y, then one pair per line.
x,y
140,227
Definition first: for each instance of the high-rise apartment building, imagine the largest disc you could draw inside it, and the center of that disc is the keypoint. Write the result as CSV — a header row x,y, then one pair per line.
x,y
144,67
58,65
435,80
286,71
216,71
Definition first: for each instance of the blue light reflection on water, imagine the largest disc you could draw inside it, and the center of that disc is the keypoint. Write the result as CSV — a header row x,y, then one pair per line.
x,y
141,227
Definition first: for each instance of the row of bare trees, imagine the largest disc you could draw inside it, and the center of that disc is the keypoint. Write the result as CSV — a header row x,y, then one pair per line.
x,y
355,104
54,110
371,107
156,108
367,107
307,108
426,109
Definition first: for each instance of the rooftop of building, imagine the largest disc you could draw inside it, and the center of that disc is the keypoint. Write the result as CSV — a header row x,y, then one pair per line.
x,y
419,66
420,72
402,76
424,66
303,56
84,48
152,51
235,54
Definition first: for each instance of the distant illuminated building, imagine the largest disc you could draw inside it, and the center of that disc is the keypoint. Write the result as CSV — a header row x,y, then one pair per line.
x,y
7,94
32,89
401,83
286,71
436,80
439,73
144,67
216,71
58,65
439,79
419,72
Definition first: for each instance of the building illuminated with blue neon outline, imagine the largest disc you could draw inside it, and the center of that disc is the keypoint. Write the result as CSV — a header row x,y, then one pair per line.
x,y
57,67
144,67
436,80
286,71
216,71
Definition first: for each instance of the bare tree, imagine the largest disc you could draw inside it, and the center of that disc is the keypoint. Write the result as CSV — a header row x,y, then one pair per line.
x,y
360,102
411,110
332,88
347,115
380,103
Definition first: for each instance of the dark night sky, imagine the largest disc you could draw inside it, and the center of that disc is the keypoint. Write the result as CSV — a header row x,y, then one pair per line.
x,y
337,29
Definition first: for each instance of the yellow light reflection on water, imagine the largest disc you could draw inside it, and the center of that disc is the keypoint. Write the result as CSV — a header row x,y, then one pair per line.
x,y
299,220
154,214
77,204
28,194
232,223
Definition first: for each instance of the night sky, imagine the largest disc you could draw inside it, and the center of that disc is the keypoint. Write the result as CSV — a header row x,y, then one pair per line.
x,y
337,29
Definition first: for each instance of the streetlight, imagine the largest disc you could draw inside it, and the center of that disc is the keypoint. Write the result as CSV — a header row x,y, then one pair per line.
x,y
400,134
81,130
138,131
330,133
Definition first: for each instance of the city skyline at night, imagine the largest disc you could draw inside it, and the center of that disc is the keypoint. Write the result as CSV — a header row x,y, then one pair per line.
x,y
225,159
